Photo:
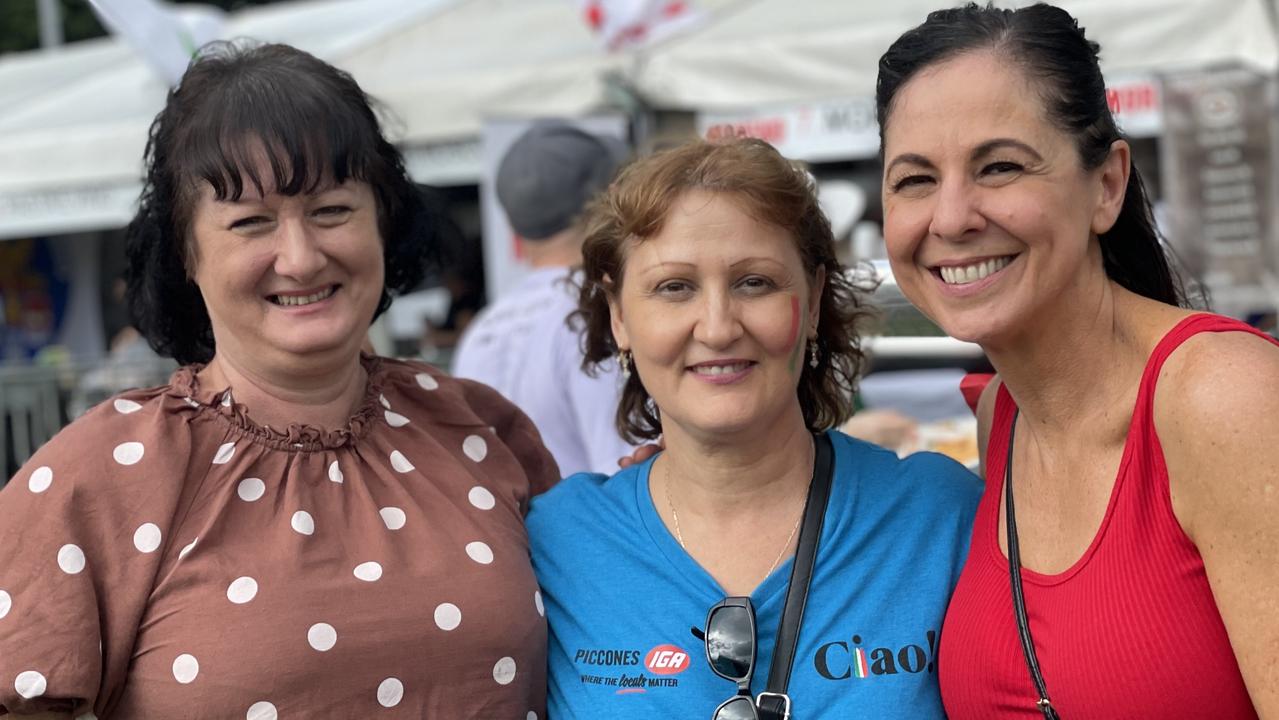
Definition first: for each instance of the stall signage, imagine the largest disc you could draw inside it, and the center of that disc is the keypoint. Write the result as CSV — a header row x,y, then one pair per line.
x,y
67,209
1217,162
1137,106
814,131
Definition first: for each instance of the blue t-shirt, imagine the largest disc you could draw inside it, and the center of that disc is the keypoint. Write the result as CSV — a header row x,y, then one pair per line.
x,y
621,595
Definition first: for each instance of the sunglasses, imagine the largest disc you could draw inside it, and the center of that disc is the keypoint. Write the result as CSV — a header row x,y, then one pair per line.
x,y
730,650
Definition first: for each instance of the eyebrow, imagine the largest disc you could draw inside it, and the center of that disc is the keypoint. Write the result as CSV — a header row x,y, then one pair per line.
x,y
990,146
981,150
669,265
911,158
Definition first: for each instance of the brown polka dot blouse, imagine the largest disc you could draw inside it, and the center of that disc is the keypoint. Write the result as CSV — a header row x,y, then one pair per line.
x,y
165,557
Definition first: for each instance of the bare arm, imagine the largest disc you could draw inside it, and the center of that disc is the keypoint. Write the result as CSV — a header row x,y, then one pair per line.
x,y
1217,413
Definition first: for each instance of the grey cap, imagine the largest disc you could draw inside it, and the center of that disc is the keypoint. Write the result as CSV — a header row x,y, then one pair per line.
x,y
550,173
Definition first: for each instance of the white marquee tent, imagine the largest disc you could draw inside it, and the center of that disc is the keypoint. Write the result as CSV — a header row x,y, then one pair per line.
x,y
74,120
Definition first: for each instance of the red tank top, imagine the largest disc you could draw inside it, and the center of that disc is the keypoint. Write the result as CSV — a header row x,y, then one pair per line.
x,y
1129,631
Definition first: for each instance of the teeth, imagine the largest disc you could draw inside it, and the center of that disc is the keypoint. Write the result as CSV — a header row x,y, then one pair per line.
x,y
290,300
719,369
972,273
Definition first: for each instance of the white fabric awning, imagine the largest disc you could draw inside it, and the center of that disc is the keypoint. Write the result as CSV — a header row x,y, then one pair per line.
x,y
74,123
762,52
76,118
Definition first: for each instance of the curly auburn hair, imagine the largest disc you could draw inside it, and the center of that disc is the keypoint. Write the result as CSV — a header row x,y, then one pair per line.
x,y
770,188
315,125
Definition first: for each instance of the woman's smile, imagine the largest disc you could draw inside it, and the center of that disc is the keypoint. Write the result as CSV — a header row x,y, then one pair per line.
x,y
722,372
963,278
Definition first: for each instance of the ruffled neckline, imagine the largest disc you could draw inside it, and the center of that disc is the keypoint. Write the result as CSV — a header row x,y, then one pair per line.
x,y
184,385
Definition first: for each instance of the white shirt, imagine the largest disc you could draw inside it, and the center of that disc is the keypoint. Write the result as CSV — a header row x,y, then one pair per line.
x,y
522,347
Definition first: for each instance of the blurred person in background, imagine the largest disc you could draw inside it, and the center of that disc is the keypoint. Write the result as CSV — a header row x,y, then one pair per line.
x,y
522,344
710,274
1142,540
288,526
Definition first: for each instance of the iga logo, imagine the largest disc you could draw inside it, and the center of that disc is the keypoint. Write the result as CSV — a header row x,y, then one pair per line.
x,y
666,660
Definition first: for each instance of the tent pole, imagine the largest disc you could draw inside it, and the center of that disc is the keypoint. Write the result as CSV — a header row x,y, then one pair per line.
x,y
50,18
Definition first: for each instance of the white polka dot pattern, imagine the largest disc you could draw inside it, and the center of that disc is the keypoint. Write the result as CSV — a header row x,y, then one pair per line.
x,y
401,463
185,668
303,523
447,616
322,637
224,454
261,711
30,684
393,517
480,552
531,715
390,692
368,572
242,590
71,559
129,453
40,479
481,498
270,509
251,489
504,671
475,448
125,407
537,602
147,538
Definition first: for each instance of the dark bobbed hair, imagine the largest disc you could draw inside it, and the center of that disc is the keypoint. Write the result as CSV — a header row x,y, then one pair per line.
x,y
1061,63
768,187
315,125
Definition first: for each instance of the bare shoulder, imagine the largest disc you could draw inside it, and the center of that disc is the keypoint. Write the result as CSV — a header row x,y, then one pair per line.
x,y
1224,378
1216,410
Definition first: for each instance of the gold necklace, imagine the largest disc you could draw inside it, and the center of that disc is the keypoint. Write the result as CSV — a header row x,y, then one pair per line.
x,y
666,471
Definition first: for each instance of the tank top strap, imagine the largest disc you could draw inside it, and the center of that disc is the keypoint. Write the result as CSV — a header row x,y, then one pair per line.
x,y
1001,424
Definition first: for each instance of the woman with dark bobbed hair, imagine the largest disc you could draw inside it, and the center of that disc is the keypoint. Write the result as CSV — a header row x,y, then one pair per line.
x,y
710,274
1134,576
288,527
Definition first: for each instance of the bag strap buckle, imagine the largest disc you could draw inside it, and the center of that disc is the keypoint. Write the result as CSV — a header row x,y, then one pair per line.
x,y
771,708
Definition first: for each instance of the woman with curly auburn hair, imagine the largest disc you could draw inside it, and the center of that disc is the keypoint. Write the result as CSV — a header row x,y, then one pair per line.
x,y
288,528
710,273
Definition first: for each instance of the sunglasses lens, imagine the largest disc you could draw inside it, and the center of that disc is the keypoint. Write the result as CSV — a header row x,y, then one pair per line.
x,y
738,708
730,645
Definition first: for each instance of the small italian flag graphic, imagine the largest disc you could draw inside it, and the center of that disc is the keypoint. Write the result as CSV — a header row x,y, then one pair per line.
x,y
860,668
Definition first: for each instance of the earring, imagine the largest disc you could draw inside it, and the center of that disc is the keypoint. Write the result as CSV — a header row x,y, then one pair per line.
x,y
624,362
812,354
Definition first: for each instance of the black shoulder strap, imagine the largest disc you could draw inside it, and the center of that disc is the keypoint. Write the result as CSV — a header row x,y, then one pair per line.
x,y
1019,598
773,702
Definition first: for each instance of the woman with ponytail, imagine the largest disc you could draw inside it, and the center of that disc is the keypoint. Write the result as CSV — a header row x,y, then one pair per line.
x,y
1134,576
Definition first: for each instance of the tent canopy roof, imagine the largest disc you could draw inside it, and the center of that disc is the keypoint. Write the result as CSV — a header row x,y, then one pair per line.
x,y
77,117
